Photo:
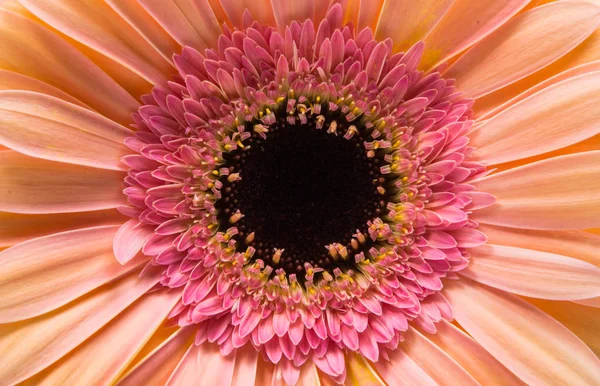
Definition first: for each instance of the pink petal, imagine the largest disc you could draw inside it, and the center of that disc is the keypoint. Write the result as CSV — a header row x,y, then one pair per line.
x,y
532,273
156,368
63,67
130,239
555,117
557,193
521,46
531,344
45,339
34,186
457,31
43,274
96,361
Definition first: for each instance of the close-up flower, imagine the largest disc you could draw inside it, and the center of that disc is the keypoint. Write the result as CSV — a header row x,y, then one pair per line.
x,y
299,192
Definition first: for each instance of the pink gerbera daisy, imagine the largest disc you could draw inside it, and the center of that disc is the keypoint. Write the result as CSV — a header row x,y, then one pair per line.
x,y
280,192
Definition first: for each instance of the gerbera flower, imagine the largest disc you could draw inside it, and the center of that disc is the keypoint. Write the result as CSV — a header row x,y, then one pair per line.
x,y
299,192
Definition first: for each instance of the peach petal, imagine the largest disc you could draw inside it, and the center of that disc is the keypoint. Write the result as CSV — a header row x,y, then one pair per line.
x,y
44,274
97,26
593,302
369,13
187,371
156,368
46,127
201,365
33,186
129,240
480,364
246,363
360,371
12,81
401,369
555,117
418,18
17,228
261,11
96,362
531,344
286,11
34,51
43,340
466,23
533,273
557,193
521,46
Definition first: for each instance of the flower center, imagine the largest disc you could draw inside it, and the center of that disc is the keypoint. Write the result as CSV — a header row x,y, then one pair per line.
x,y
303,187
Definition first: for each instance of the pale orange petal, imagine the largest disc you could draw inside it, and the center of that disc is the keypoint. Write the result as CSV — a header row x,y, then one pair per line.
x,y
359,372
417,19
46,127
16,228
286,11
201,365
521,46
558,193
593,302
44,274
533,273
261,11
246,363
531,344
12,81
480,364
34,186
35,344
466,23
402,370
156,368
368,14
96,362
32,50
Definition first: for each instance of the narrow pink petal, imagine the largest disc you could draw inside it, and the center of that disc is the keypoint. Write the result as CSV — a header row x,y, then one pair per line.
x,y
286,11
521,46
418,18
96,361
12,81
17,228
99,27
533,273
557,193
129,240
401,369
457,29
261,11
201,365
480,364
531,344
555,117
46,127
43,340
246,363
156,368
43,274
35,51
34,186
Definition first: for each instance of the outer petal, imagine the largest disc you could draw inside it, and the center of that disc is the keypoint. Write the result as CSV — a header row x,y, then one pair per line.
x,y
401,369
12,81
95,362
532,273
360,372
369,12
558,193
33,345
43,274
527,341
246,363
521,46
464,24
156,368
557,116
32,50
261,11
201,365
418,18
30,185
130,239
287,11
42,126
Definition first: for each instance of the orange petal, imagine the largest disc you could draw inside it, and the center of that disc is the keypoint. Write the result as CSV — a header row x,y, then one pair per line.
x,y
96,362
43,274
466,23
12,81
261,11
286,11
34,186
418,18
369,12
45,127
471,356
557,193
32,50
531,344
156,368
533,273
34,344
521,46
360,372
17,228
555,117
